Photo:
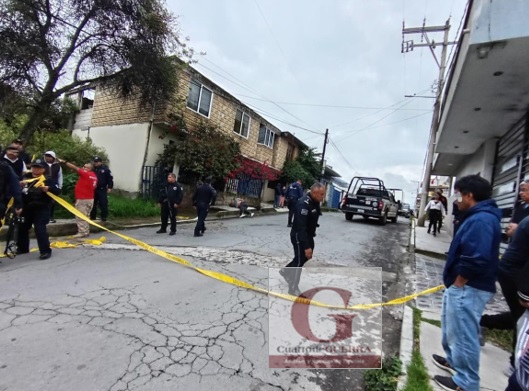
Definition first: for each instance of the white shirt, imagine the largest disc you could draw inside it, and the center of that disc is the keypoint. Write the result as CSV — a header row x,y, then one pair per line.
x,y
435,205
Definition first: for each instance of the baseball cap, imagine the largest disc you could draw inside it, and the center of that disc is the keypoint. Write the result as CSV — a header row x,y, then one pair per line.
x,y
38,163
97,159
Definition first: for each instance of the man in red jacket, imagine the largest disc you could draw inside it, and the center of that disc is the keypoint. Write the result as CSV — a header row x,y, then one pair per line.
x,y
84,195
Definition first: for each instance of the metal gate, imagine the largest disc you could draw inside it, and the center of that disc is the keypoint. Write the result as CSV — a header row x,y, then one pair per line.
x,y
245,186
510,169
151,182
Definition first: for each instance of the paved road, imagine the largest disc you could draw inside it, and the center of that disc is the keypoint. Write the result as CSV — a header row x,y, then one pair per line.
x,y
115,318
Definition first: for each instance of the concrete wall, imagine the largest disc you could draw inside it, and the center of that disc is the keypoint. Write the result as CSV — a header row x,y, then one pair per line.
x,y
481,162
497,20
125,147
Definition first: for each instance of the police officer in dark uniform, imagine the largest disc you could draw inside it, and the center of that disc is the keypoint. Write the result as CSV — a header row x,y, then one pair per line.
x,y
36,212
205,196
9,187
294,193
171,196
302,235
105,184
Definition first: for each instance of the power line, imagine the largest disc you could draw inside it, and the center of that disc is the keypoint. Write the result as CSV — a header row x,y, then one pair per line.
x,y
331,106
343,156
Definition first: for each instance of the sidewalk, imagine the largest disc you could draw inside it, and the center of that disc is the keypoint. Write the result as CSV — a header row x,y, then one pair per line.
x,y
429,264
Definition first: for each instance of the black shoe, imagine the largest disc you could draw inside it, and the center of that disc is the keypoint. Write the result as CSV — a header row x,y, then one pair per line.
x,y
294,291
441,362
104,220
161,231
172,233
428,231
198,234
44,256
52,221
447,383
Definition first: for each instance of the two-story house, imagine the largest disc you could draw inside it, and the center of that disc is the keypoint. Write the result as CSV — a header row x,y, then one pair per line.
x,y
134,137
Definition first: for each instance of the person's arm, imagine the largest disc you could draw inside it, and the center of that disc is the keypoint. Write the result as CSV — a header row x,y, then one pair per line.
x,y
70,165
302,218
110,181
476,251
428,206
214,197
179,194
51,186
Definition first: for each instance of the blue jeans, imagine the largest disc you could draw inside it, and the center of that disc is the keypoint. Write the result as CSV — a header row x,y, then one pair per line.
x,y
460,316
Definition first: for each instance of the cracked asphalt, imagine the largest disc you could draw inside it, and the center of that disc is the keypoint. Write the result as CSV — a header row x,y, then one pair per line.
x,y
117,318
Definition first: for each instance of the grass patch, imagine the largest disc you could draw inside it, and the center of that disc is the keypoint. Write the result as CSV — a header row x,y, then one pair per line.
x,y
418,377
431,321
500,338
384,379
118,207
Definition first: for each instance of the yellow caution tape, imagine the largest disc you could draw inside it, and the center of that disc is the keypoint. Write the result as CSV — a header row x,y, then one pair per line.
x,y
228,279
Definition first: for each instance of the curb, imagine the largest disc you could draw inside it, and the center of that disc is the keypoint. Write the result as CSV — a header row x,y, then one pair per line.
x,y
406,345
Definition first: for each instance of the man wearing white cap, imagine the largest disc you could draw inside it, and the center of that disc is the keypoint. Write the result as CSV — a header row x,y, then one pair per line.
x,y
53,170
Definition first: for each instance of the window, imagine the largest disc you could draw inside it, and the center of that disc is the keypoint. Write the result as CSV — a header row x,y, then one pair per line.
x,y
199,98
242,123
266,136
290,152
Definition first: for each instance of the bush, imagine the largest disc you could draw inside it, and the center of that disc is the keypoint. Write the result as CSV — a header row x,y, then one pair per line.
x,y
384,379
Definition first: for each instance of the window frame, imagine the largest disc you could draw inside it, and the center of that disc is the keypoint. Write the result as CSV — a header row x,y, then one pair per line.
x,y
202,87
269,135
239,133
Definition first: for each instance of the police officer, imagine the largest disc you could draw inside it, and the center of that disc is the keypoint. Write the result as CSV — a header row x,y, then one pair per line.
x,y
302,235
105,184
9,187
36,204
203,198
294,193
171,196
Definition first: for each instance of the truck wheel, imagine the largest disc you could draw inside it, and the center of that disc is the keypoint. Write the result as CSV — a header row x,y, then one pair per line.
x,y
394,219
383,219
348,216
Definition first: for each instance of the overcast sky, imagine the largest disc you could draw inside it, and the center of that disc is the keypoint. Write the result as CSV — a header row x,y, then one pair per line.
x,y
294,59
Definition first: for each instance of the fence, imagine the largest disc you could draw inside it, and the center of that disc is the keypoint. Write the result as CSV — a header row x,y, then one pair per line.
x,y
151,182
246,186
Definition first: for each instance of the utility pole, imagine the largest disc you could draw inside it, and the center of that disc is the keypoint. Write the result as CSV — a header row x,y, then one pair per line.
x,y
408,46
323,154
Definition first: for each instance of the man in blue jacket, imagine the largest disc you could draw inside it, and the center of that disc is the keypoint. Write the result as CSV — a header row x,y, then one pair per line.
x,y
470,279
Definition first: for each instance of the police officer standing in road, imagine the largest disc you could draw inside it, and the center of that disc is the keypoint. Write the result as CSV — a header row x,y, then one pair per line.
x,y
171,195
36,208
205,196
105,184
294,193
302,235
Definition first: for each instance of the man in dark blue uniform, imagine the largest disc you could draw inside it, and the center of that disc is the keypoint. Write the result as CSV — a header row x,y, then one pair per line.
x,y
105,184
9,187
294,193
302,235
203,198
36,212
171,196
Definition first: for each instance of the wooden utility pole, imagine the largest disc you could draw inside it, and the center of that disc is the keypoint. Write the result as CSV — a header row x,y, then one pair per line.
x,y
408,46
323,154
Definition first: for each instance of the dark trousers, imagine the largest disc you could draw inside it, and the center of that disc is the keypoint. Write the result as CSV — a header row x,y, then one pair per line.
x,y
101,199
39,217
292,204
506,320
202,211
435,216
276,200
513,384
298,261
169,213
243,208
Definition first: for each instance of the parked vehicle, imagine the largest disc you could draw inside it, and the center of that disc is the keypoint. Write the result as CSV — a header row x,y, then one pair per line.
x,y
368,197
405,210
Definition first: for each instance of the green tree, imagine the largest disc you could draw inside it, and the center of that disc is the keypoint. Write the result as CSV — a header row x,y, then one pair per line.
x,y
304,167
203,151
48,48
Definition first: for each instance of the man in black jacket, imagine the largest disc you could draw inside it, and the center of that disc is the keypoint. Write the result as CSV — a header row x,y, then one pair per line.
x,y
36,208
105,184
9,187
205,196
171,196
302,235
